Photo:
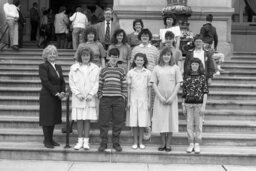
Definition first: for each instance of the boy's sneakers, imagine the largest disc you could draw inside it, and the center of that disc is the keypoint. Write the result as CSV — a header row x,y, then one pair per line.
x,y
117,147
197,148
216,73
102,147
190,148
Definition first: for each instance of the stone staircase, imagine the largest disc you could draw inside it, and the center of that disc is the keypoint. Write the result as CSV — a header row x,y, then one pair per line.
x,y
229,129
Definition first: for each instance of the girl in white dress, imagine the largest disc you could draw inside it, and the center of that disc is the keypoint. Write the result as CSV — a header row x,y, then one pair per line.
x,y
84,83
139,95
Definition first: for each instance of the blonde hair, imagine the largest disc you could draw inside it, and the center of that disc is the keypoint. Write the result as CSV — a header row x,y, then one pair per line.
x,y
48,51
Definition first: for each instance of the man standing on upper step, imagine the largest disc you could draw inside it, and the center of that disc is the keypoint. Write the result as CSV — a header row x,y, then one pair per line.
x,y
209,36
106,28
12,16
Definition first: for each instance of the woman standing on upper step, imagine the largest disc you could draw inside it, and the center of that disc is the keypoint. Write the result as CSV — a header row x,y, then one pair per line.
x,y
51,94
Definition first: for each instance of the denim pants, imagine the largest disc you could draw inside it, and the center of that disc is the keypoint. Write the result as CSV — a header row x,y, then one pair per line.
x,y
13,32
194,122
111,109
77,35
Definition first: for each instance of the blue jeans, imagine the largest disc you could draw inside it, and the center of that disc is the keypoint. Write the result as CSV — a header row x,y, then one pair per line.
x,y
77,35
194,122
111,109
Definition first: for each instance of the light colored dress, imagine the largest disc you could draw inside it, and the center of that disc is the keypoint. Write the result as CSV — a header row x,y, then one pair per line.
x,y
139,82
165,117
84,80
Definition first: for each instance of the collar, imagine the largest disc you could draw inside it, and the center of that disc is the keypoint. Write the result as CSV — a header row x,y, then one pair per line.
x,y
201,50
148,46
109,66
107,21
143,69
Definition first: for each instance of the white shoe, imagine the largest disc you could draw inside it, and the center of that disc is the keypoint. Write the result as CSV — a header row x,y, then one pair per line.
x,y
197,148
134,146
142,146
79,144
190,148
217,73
86,144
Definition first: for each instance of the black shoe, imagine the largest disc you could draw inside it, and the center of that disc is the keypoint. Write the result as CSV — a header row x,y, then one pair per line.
x,y
16,48
117,147
102,147
168,149
48,144
161,148
54,143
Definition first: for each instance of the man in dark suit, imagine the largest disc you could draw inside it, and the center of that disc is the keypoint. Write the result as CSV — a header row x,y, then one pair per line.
x,y
34,20
106,29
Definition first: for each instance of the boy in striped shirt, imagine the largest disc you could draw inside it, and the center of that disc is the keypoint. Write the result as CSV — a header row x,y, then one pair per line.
x,y
112,94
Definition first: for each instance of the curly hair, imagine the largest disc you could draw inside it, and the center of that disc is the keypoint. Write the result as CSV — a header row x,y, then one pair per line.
x,y
116,33
141,55
89,30
138,20
201,67
145,32
49,50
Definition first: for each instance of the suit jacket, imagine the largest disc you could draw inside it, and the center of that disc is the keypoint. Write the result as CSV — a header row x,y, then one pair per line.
x,y
50,105
100,28
209,63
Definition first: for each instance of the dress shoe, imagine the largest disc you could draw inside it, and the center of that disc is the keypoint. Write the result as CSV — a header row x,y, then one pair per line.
x,y
161,148
48,144
117,147
102,147
14,47
168,149
54,143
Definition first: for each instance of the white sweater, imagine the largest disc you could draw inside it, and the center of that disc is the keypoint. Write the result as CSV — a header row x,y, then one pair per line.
x,y
10,11
79,20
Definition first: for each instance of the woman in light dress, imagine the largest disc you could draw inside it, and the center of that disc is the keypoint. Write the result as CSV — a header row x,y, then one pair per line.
x,y
84,83
166,79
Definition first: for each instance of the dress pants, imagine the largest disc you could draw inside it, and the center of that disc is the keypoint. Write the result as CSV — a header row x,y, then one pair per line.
x,y
13,32
48,134
34,27
111,109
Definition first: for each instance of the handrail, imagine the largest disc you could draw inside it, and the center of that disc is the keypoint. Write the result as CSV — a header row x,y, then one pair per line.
x,y
3,34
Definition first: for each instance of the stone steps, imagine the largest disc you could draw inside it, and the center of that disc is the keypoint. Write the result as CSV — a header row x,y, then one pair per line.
x,y
227,126
209,154
36,135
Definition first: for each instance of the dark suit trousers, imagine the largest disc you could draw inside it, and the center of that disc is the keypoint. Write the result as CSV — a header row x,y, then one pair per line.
x,y
34,27
111,109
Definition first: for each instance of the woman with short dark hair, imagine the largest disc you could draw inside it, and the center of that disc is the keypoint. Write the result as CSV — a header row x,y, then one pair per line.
x,y
133,39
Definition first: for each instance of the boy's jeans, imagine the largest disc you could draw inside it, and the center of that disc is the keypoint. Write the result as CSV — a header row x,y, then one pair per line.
x,y
111,109
194,122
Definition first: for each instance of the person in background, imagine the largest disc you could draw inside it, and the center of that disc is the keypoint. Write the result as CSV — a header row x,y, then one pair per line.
x,y
194,99
139,96
170,42
106,29
61,30
204,56
34,21
119,40
112,101
98,15
44,30
21,24
88,13
90,40
12,17
171,25
84,83
51,94
133,39
51,23
166,80
79,23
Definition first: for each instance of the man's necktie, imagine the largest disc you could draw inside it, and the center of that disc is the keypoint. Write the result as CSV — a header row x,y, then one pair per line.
x,y
107,35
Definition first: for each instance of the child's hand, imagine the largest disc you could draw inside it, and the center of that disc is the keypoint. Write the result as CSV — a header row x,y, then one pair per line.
x,y
88,97
80,97
162,99
170,100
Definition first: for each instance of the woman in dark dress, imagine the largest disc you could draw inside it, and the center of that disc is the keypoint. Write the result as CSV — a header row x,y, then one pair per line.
x,y
51,94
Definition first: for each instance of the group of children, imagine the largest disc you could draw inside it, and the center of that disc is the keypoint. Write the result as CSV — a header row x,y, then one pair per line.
x,y
103,95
